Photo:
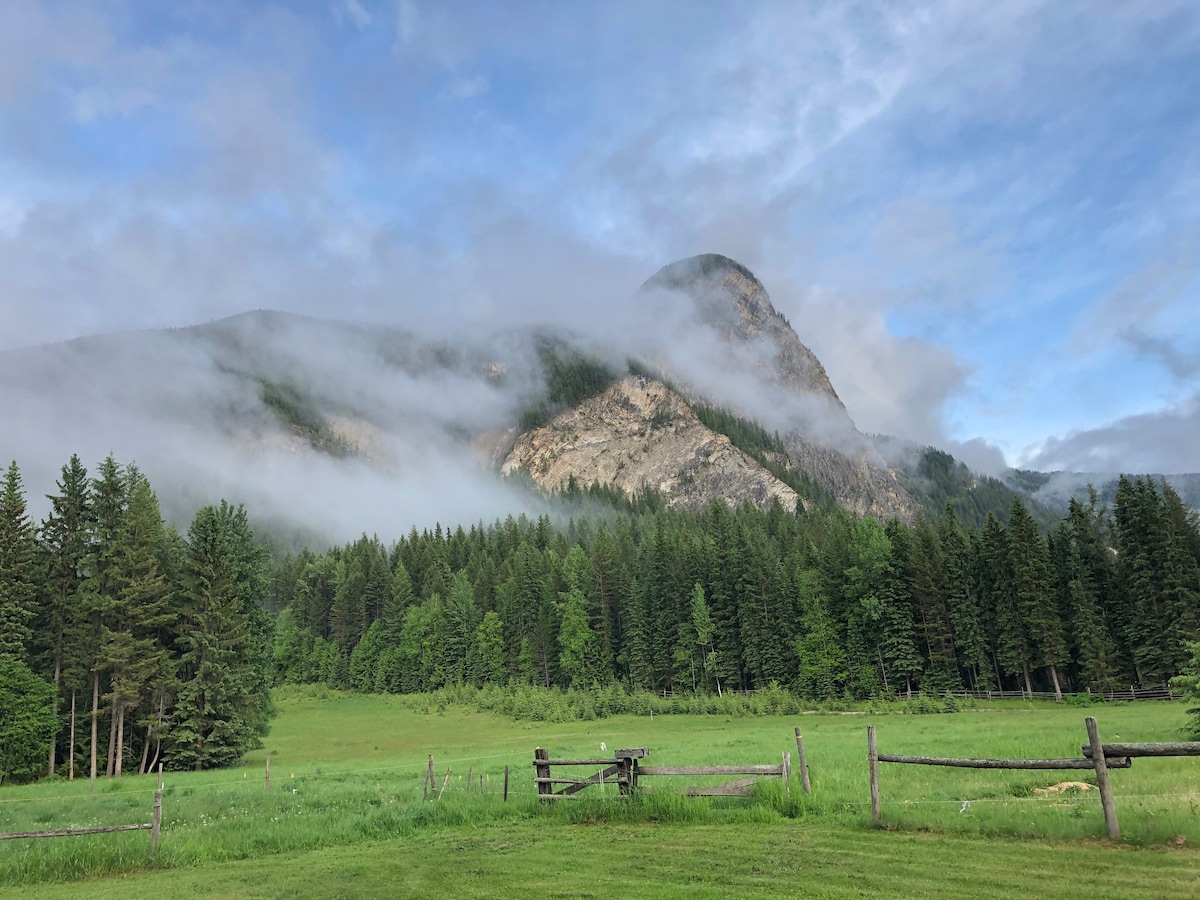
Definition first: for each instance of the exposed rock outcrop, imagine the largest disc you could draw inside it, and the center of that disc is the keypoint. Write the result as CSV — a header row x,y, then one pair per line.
x,y
640,434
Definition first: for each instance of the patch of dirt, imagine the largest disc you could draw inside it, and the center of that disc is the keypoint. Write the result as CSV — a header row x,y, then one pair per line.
x,y
1063,787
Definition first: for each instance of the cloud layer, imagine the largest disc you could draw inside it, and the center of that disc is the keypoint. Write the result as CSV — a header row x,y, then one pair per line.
x,y
979,217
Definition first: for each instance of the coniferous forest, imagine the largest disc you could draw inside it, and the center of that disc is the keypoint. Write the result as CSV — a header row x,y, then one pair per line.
x,y
128,643
123,643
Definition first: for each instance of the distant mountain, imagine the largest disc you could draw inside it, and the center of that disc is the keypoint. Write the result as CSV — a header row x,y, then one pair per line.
x,y
652,429
330,426
1053,490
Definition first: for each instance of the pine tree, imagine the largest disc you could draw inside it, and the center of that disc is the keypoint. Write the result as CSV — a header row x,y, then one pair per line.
x,y
17,588
897,620
822,674
100,590
61,627
1010,638
218,714
1032,592
397,602
1087,571
702,630
131,650
963,601
929,601
486,659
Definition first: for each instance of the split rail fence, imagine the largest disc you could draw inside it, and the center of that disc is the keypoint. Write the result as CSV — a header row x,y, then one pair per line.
x,y
624,770
154,826
1097,756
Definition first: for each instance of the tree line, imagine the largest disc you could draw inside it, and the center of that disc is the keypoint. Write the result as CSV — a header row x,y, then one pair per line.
x,y
824,604
112,622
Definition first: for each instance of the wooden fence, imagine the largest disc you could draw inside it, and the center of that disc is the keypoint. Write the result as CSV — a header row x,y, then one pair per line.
x,y
153,826
1097,756
624,770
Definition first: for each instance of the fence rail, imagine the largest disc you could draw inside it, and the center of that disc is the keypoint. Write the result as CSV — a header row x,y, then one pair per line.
x,y
1098,756
154,826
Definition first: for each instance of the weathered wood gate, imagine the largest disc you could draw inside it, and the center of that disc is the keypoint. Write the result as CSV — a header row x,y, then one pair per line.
x,y
624,770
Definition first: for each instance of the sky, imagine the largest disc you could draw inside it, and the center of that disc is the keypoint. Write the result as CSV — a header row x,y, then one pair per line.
x,y
982,217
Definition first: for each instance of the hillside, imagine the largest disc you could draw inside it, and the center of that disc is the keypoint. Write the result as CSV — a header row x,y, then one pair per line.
x,y
329,427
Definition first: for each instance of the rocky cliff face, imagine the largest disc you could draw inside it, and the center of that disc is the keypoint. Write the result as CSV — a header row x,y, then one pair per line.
x,y
640,434
731,300
819,436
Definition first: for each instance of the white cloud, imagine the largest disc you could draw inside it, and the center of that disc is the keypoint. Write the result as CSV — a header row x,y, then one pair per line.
x,y
355,12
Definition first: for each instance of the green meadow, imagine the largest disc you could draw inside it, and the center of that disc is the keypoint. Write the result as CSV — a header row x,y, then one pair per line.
x,y
345,814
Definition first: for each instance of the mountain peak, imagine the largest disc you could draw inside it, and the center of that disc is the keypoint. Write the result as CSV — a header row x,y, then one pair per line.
x,y
684,274
732,300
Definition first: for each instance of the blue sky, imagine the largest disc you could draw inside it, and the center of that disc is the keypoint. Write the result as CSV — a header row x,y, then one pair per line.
x,y
983,217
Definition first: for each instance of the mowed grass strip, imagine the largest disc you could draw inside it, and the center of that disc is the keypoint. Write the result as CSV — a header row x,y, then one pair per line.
x,y
346,771
770,860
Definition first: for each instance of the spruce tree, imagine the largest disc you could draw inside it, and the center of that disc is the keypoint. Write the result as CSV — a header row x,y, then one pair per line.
x,y
1032,592
218,714
17,589
131,647
65,547
963,600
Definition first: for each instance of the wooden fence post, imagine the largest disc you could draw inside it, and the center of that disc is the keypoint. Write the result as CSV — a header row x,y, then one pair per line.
x,y
470,777
506,784
543,771
156,821
873,760
1102,782
429,779
268,782
445,781
802,761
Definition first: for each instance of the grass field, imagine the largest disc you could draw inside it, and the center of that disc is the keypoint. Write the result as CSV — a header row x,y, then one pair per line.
x,y
345,817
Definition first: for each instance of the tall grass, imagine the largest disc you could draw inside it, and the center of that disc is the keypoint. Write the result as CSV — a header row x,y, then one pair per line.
x,y
347,769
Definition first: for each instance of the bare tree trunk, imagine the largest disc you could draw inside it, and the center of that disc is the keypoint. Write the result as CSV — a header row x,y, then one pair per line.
x,y
882,670
1054,677
71,750
120,741
54,736
145,752
95,713
112,738
1028,685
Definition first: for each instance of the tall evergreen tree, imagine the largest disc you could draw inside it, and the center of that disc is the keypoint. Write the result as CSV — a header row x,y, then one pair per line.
x,y
65,548
18,592
218,715
963,601
1035,601
131,647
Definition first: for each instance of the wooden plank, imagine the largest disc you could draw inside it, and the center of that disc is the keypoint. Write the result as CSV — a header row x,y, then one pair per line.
x,y
1102,782
595,779
742,787
575,762
72,832
1159,748
873,768
710,770
608,779
632,753
1071,763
